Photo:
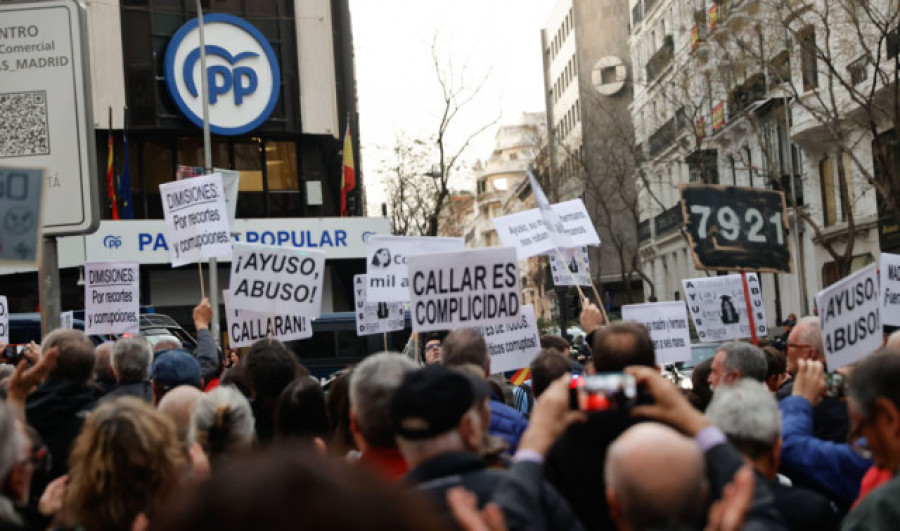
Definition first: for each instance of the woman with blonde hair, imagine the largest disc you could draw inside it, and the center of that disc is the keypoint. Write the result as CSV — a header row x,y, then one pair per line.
x,y
124,464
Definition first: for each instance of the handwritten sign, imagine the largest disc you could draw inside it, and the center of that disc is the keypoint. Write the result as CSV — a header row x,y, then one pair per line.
x,y
111,298
387,274
462,288
512,343
246,327
849,311
375,317
196,219
667,323
718,307
277,280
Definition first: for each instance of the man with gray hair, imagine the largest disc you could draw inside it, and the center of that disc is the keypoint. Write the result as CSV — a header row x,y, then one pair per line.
x,y
131,358
735,360
372,386
748,414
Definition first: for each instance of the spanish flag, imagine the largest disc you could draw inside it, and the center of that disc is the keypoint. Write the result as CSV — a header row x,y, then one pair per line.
x,y
521,376
348,177
111,178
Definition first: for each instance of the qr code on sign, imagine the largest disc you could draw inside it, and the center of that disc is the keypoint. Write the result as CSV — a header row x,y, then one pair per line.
x,y
23,124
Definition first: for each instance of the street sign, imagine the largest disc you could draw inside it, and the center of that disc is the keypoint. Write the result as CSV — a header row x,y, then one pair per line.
x,y
734,228
20,214
46,119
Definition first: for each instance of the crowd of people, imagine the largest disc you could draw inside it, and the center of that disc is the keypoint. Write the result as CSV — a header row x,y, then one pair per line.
x,y
129,436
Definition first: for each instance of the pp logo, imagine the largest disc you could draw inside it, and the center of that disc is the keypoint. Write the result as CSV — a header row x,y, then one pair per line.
x,y
242,74
112,242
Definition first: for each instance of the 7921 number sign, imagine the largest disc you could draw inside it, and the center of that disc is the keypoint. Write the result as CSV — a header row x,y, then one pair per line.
x,y
736,228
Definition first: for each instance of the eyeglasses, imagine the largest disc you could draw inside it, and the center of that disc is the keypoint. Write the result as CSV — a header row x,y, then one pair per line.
x,y
433,346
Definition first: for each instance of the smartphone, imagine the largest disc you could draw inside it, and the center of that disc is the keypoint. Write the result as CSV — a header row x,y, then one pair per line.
x,y
611,391
834,385
13,354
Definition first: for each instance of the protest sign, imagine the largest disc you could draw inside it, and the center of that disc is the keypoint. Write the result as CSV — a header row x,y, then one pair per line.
x,y
196,219
570,264
849,311
21,192
461,288
246,327
230,182
551,219
4,320
527,230
67,320
375,317
719,309
387,274
512,343
277,280
890,289
111,298
668,326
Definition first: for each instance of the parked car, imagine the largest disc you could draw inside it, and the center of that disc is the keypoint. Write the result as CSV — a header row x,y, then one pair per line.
x,y
26,327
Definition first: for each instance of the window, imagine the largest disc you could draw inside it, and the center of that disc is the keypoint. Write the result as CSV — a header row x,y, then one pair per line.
x,y
808,57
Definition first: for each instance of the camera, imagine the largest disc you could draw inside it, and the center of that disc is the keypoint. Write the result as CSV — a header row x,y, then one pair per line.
x,y
611,391
834,385
13,354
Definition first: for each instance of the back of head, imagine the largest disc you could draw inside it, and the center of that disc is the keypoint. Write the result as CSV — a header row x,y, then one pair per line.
x,y
268,490
463,346
553,341
875,377
338,404
746,359
776,362
131,359
172,368
645,498
269,367
76,354
125,462
372,387
748,414
177,405
9,441
222,423
622,344
301,411
546,367
103,361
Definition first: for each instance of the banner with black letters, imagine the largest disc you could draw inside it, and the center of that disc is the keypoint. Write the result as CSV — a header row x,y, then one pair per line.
x,y
111,298
277,280
513,343
463,288
246,327
719,309
850,314
387,275
890,289
196,219
668,325
375,317
527,230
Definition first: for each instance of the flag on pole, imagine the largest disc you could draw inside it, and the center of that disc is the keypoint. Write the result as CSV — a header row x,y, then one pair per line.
x,y
348,177
110,177
125,185
558,234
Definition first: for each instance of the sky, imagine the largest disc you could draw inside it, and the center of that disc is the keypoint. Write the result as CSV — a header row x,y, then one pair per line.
x,y
396,82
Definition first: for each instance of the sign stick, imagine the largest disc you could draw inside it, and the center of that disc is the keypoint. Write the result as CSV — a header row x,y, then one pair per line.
x,y
593,287
753,337
202,287
269,332
385,342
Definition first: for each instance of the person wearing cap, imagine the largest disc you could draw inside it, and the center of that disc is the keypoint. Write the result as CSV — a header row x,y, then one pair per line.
x,y
438,415
172,368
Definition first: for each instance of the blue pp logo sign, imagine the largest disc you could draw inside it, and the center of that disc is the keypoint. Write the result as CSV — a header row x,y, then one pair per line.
x,y
242,74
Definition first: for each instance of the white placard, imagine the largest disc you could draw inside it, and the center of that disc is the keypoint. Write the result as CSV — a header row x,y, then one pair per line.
x,y
67,320
551,219
890,289
719,310
849,311
277,280
463,288
668,325
576,265
231,182
386,271
4,320
513,343
375,317
196,219
111,298
21,192
247,327
577,222
527,230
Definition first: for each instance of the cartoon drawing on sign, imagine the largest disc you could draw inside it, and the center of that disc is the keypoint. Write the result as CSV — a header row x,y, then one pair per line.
x,y
573,264
382,258
729,314
382,311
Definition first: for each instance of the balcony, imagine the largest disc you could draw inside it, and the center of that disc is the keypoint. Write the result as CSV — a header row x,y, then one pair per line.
x,y
662,138
746,94
661,224
644,230
661,59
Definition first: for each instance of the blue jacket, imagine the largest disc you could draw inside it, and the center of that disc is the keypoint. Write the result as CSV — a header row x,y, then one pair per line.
x,y
506,423
835,467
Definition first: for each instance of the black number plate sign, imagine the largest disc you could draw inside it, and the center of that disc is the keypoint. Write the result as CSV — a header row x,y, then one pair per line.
x,y
735,228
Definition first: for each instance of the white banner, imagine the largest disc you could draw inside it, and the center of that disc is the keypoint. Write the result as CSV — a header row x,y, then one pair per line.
x,y
277,280
196,219
576,265
4,320
111,298
719,310
462,288
527,230
375,317
386,271
513,343
67,320
849,311
247,327
668,326
231,181
890,289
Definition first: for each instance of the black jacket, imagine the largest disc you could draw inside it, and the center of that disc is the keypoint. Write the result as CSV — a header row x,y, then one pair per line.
x,y
142,390
803,508
440,474
57,409
722,462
